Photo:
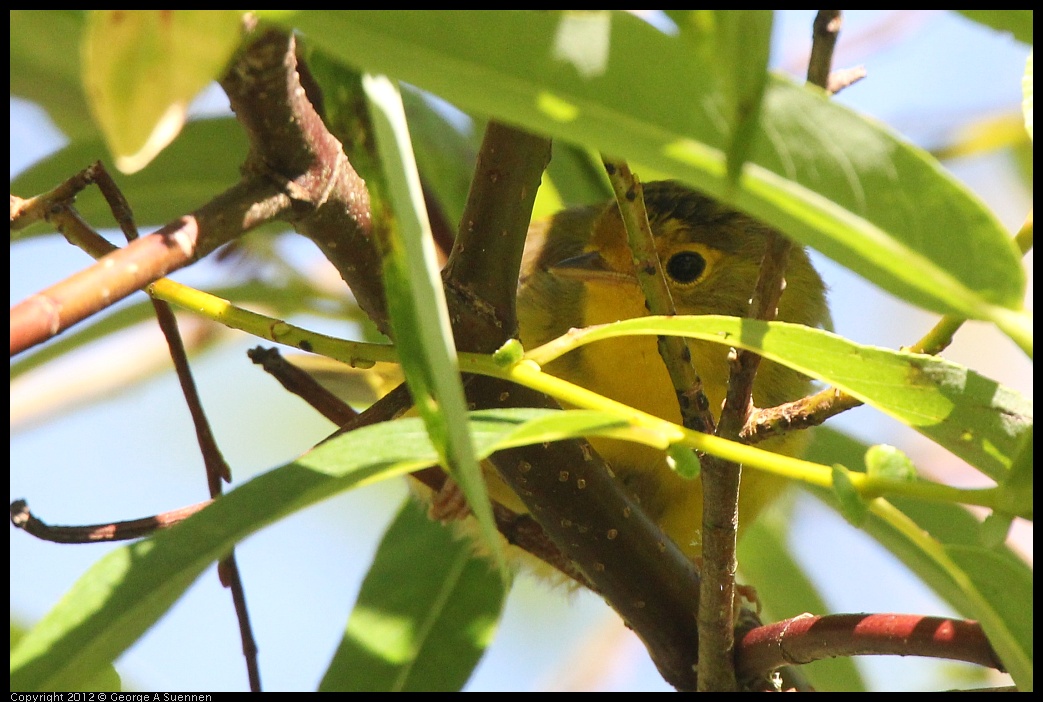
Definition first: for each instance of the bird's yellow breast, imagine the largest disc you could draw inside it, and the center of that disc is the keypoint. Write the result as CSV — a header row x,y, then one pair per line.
x,y
711,257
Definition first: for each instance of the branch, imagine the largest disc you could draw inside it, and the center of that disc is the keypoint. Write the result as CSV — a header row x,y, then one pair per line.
x,y
808,638
291,149
295,171
23,519
123,271
565,486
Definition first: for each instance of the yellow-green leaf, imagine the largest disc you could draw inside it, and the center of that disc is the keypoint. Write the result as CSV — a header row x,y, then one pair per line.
x,y
141,69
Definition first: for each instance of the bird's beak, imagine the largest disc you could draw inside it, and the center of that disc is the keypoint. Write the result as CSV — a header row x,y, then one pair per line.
x,y
589,267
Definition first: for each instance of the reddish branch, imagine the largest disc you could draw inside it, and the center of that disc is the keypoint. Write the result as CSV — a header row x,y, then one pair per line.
x,y
809,638
295,172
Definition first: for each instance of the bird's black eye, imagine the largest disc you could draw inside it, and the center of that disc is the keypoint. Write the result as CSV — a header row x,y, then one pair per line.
x,y
686,266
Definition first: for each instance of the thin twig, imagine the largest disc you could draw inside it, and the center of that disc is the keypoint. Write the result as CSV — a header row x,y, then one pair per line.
x,y
720,478
677,355
124,271
22,518
303,385
217,467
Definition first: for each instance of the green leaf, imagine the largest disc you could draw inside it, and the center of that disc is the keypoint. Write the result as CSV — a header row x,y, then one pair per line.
x,y
141,69
1007,588
852,189
105,680
202,162
740,42
45,67
1020,480
1017,22
425,614
943,548
417,309
129,589
976,418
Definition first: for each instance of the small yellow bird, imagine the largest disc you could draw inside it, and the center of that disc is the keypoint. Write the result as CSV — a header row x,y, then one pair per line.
x,y
578,271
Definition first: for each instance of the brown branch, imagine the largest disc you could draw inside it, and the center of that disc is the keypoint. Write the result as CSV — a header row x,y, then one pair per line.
x,y
123,271
291,149
565,486
807,412
676,354
809,638
295,171
301,383
486,258
825,30
721,478
22,518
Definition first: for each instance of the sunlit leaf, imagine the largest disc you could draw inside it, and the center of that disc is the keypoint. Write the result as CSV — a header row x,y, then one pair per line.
x,y
141,68
426,612
825,176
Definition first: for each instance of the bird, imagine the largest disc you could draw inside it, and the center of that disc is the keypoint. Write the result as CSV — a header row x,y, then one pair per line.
x,y
577,271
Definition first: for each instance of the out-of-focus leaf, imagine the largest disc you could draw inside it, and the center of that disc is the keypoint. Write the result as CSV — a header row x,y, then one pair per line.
x,y
142,68
45,67
1017,22
425,614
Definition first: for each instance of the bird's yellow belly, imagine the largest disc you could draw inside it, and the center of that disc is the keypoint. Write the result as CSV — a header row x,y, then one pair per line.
x,y
630,371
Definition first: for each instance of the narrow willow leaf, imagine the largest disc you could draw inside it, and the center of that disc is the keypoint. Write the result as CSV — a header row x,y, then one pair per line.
x,y
823,175
425,614
142,68
1007,588
417,308
129,589
104,680
976,418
